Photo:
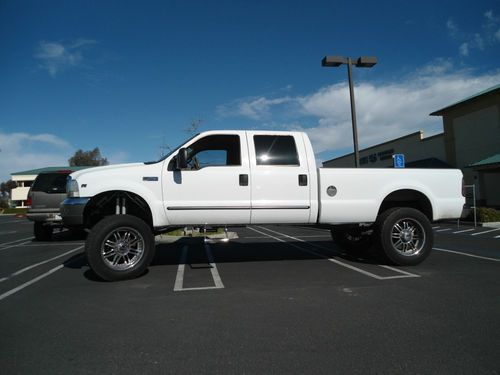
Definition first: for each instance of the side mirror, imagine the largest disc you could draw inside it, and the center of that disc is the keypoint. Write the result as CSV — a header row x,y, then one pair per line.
x,y
181,159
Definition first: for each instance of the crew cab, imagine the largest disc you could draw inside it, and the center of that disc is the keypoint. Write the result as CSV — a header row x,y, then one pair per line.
x,y
254,177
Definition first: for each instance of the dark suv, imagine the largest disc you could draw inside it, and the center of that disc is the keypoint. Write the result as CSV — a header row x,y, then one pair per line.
x,y
45,196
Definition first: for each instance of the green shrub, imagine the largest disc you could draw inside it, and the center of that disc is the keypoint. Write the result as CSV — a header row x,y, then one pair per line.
x,y
487,215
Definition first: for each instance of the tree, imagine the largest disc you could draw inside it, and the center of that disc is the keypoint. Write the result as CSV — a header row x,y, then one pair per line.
x,y
193,128
6,193
87,158
6,187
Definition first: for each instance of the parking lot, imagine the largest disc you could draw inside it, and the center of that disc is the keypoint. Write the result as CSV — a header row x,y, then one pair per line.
x,y
277,299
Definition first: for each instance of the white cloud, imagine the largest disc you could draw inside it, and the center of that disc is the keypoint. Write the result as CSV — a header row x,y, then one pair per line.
x,y
384,110
256,108
23,151
438,66
464,49
58,56
489,35
452,27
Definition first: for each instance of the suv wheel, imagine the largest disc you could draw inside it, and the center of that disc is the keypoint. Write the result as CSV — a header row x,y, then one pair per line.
x,y
42,232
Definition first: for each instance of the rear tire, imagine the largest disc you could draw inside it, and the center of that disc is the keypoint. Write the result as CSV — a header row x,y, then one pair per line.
x,y
404,235
120,247
42,232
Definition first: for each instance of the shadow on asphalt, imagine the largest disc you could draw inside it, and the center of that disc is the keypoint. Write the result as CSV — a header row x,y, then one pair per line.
x,y
239,252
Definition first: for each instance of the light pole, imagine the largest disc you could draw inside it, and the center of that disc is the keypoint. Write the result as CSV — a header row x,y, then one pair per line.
x,y
360,62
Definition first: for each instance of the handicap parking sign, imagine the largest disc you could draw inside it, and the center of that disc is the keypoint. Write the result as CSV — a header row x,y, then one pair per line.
x,y
398,160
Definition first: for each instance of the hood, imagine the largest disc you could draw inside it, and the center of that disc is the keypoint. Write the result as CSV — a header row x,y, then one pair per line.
x,y
105,170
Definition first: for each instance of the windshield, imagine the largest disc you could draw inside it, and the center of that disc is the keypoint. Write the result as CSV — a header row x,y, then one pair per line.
x,y
171,151
51,183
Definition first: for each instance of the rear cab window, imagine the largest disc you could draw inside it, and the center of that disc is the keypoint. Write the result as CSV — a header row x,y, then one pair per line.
x,y
276,150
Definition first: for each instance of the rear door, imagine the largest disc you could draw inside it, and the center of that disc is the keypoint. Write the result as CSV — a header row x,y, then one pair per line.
x,y
47,192
280,178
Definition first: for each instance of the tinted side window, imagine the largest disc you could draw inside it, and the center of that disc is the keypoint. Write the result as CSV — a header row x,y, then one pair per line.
x,y
275,150
50,183
214,150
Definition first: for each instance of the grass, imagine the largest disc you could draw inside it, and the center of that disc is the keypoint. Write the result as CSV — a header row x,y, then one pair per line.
x,y
14,210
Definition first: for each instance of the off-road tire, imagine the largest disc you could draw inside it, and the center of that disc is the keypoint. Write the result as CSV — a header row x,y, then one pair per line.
x,y
120,238
404,235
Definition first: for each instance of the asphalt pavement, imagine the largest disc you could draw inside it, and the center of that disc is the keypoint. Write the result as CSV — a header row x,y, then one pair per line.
x,y
275,300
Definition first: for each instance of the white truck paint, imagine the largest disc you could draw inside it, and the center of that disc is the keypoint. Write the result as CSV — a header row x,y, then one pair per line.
x,y
283,186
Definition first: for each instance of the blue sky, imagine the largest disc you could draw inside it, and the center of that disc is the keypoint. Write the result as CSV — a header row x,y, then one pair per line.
x,y
128,76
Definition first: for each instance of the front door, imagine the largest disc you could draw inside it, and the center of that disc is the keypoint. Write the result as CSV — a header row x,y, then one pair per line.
x,y
214,188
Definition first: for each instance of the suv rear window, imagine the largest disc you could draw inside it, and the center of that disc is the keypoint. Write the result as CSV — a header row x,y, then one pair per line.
x,y
51,183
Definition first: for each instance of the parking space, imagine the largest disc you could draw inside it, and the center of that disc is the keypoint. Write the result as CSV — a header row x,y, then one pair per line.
x,y
277,299
468,230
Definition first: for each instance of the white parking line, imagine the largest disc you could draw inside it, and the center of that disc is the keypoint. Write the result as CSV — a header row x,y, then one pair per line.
x,y
179,279
486,231
436,227
213,268
54,244
21,239
13,221
463,231
317,236
11,246
443,230
404,273
8,232
32,281
39,264
466,254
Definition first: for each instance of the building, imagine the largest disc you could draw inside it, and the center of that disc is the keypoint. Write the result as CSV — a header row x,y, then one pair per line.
x,y
470,141
426,152
25,179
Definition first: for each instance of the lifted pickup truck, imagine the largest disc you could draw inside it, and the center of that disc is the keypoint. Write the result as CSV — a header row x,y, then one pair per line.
x,y
254,177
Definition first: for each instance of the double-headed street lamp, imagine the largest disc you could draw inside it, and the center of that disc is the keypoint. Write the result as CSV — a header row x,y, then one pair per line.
x,y
360,62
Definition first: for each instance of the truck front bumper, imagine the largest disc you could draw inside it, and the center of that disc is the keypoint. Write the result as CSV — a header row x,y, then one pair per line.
x,y
72,211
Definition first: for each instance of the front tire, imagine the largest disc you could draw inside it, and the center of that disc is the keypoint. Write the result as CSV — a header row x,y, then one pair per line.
x,y
120,247
405,236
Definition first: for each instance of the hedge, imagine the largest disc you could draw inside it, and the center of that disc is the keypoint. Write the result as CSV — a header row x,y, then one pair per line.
x,y
485,215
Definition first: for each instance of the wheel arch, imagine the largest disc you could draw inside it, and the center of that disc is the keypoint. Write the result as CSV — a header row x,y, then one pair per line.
x,y
104,204
408,198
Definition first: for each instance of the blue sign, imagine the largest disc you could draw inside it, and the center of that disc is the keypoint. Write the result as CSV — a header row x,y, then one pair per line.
x,y
398,160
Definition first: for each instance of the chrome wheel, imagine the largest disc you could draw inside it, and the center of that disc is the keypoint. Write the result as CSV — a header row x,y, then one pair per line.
x,y
408,237
122,248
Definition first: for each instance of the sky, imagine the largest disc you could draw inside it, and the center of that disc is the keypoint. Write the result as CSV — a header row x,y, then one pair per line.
x,y
130,77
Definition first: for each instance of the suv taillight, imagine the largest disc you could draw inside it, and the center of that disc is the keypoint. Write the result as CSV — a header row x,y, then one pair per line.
x,y
29,202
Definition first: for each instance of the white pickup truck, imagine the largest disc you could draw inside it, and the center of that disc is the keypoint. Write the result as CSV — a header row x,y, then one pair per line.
x,y
221,178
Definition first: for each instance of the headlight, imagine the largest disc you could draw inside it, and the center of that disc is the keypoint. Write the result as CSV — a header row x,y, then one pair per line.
x,y
72,188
